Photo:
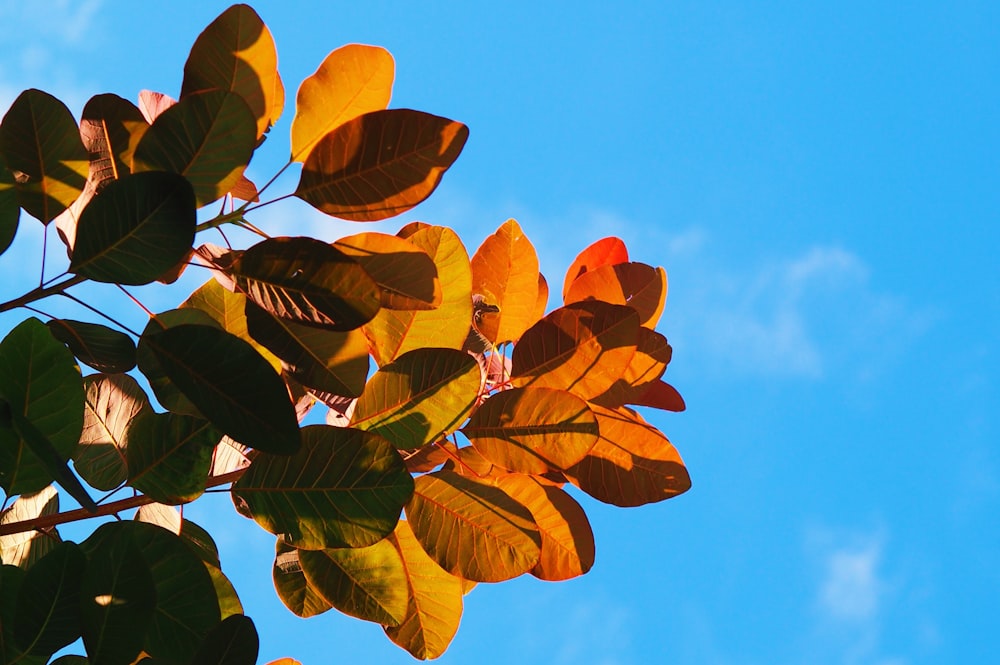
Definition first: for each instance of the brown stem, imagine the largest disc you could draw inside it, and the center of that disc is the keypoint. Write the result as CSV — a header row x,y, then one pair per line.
x,y
47,521
40,292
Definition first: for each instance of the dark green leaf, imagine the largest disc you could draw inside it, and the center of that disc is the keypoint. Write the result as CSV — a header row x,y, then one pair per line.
x,y
48,616
102,348
113,402
166,392
70,659
230,383
169,456
291,585
10,211
137,229
233,642
344,488
11,579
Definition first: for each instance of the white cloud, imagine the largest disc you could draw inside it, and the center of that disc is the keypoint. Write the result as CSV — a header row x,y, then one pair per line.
x,y
851,589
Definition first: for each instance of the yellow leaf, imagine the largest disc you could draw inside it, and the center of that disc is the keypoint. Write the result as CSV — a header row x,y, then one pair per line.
x,y
505,273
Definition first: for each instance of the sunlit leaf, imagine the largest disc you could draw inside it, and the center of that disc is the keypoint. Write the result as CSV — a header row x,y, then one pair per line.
x,y
10,210
234,641
164,516
103,348
567,539
530,430
236,53
434,608
110,128
472,530
344,488
291,585
41,143
631,464
429,457
641,287
365,582
660,395
505,274
420,397
169,455
542,303
380,164
230,384
138,228
208,137
583,348
307,281
24,548
404,272
230,456
40,381
652,354
327,360
245,190
48,602
152,104
394,332
352,80
112,404
604,252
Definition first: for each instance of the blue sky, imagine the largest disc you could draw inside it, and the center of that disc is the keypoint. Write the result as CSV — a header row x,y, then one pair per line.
x,y
820,181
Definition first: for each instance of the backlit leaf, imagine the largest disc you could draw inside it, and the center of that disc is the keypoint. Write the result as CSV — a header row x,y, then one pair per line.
x,y
394,332
567,539
41,143
420,397
208,137
103,348
230,384
48,602
365,582
234,641
505,274
434,608
40,381
583,348
307,281
641,287
51,459
291,585
166,517
660,395
112,404
604,252
652,354
24,548
10,210
472,530
631,464
245,190
138,228
344,488
404,272
530,430
169,455
380,164
352,80
152,104
236,53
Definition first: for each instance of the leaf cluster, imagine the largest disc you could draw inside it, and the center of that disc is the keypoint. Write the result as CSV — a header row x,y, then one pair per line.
x,y
405,418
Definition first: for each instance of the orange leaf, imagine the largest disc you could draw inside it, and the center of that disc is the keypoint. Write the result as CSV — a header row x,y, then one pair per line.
x,y
352,80
605,252
651,357
583,348
380,164
567,539
405,273
641,287
245,190
543,298
505,273
661,395
631,464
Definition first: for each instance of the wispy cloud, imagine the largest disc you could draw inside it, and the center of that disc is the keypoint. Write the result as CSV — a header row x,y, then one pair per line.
x,y
851,588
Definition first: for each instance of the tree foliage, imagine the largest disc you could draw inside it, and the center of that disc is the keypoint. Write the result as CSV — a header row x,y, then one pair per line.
x,y
479,413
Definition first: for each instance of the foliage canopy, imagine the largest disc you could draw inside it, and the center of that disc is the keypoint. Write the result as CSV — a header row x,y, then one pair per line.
x,y
480,410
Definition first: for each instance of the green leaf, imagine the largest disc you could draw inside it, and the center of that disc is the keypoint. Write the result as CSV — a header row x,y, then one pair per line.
x,y
70,659
307,281
169,456
39,379
207,137
102,348
200,542
230,384
11,579
472,530
48,602
166,392
233,642
380,164
25,548
533,430
42,146
10,211
137,229
421,396
365,582
112,404
344,488
327,360
291,585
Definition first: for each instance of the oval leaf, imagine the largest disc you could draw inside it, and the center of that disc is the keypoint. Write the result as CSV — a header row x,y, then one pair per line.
x,y
48,601
604,252
112,404
380,164
291,585
234,641
169,456
652,355
405,273
344,488
24,548
505,274
641,287
102,348
10,210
